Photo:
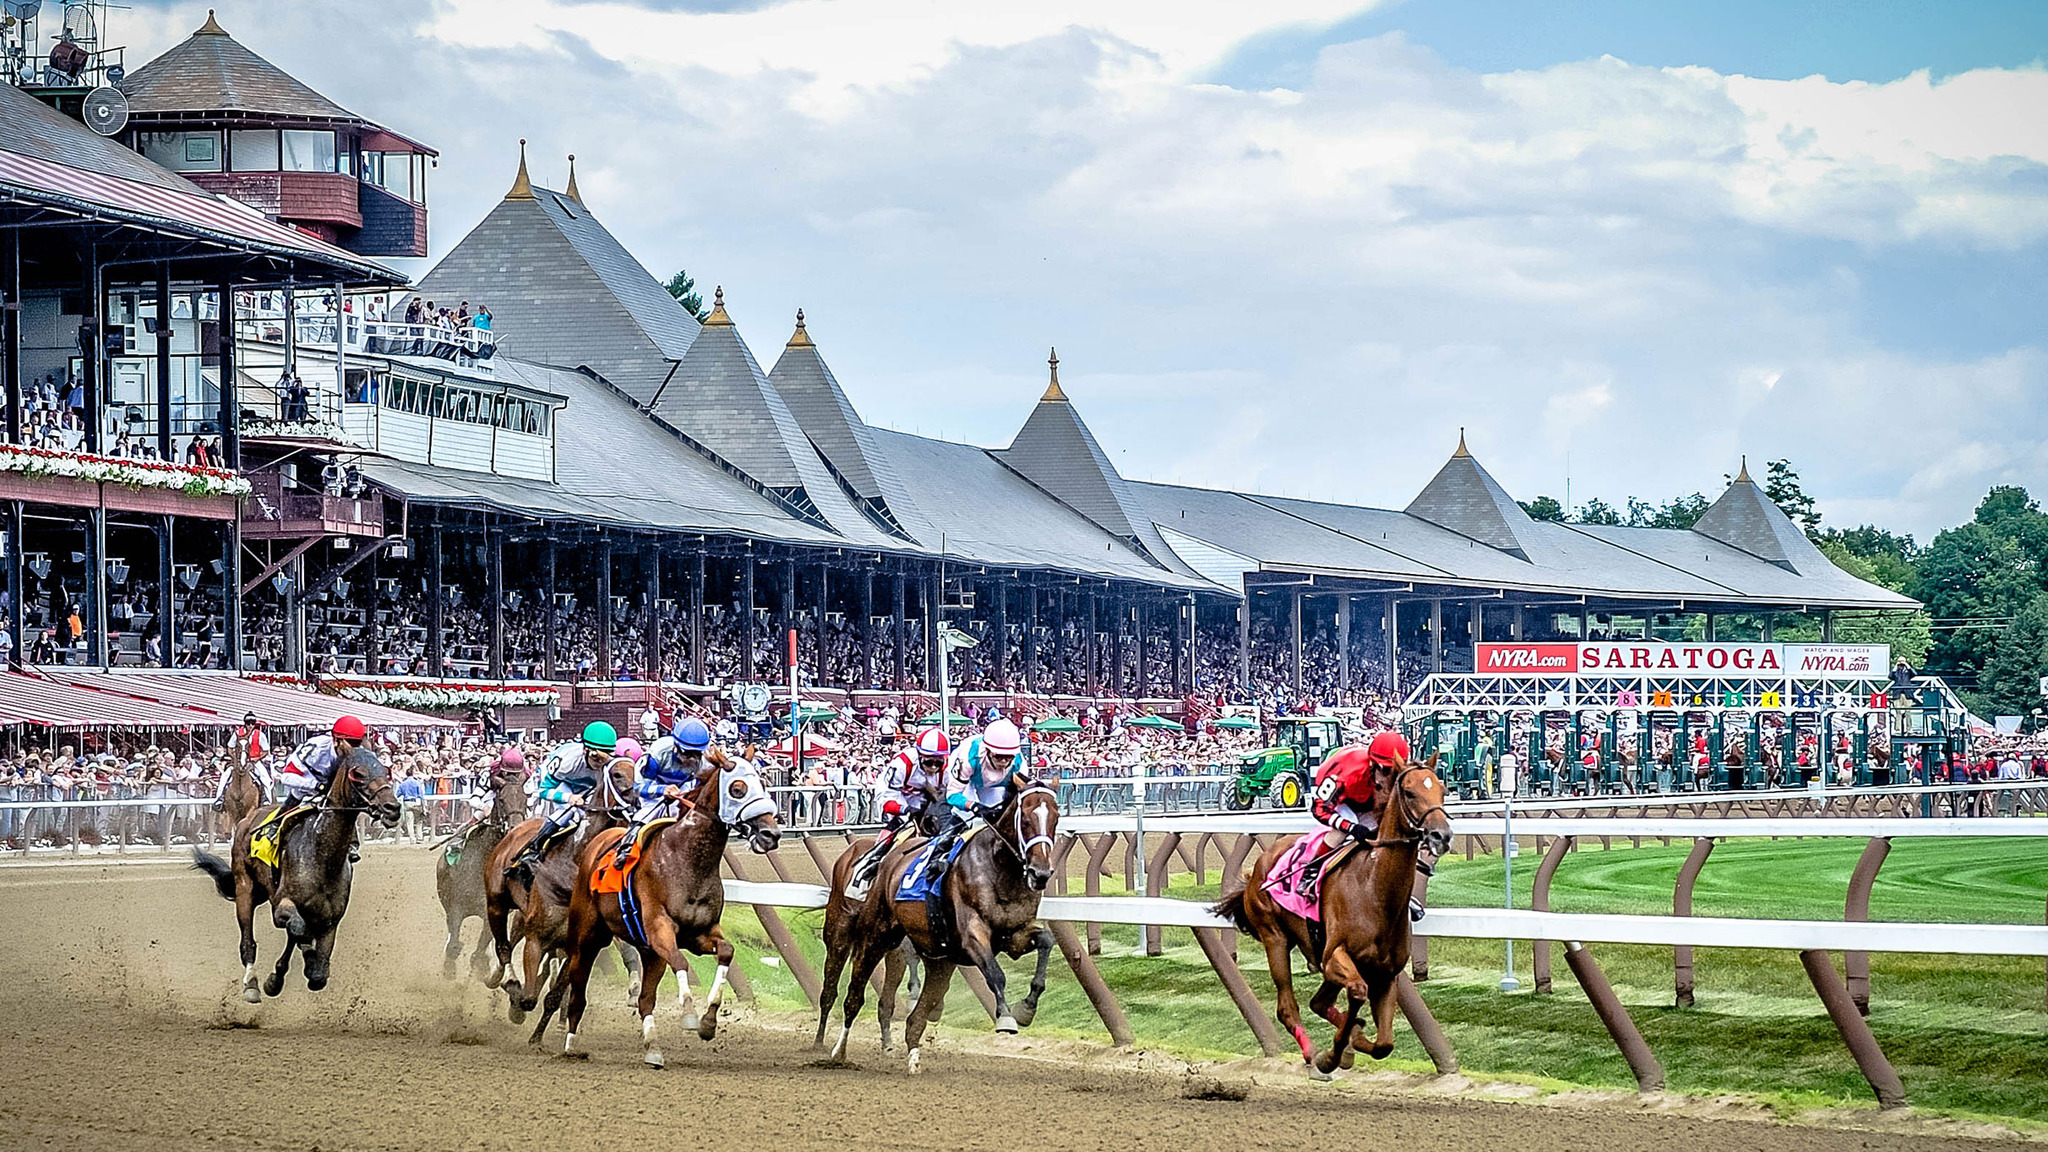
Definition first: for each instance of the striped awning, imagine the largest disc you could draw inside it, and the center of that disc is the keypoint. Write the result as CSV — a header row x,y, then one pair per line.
x,y
81,698
52,703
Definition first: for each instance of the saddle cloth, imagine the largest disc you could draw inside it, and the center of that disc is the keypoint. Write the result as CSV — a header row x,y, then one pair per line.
x,y
1293,884
266,839
610,875
914,886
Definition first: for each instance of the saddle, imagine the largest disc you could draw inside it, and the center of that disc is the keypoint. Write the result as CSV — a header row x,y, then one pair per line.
x,y
915,885
612,874
266,840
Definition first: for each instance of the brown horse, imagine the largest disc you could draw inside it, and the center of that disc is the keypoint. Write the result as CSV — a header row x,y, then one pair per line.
x,y
241,796
1366,930
459,873
990,894
671,901
535,907
308,890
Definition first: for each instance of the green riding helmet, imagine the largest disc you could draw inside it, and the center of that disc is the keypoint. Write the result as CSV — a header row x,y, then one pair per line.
x,y
598,736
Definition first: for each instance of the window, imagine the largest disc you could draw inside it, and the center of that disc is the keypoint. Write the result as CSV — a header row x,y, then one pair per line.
x,y
182,151
253,150
391,171
308,151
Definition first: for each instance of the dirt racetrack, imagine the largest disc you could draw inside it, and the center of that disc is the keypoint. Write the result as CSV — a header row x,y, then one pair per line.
x,y
121,1027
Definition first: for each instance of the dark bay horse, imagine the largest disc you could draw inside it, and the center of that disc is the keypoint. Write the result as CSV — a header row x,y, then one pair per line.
x,y
990,893
308,890
535,908
1365,915
459,873
675,898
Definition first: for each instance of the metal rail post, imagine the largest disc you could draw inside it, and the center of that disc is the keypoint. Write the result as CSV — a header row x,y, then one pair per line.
x,y
1681,905
778,934
1857,964
1254,1013
1855,1030
1092,983
1539,900
1155,884
1642,1062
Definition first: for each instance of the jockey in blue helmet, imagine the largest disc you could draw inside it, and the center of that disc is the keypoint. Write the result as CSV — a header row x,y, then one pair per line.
x,y
674,767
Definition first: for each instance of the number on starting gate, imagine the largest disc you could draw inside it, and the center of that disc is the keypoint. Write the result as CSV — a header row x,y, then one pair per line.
x,y
1771,700
1661,698
1625,699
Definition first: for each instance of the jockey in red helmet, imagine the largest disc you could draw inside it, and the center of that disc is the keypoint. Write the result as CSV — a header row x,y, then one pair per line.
x,y
1346,796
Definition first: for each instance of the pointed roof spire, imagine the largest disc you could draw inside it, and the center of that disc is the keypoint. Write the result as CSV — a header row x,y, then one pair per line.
x,y
800,338
571,190
1742,477
718,316
211,27
1466,499
1462,450
1053,390
522,187
1745,518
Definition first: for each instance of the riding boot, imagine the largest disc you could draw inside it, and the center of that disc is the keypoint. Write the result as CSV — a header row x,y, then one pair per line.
x,y
1414,909
626,845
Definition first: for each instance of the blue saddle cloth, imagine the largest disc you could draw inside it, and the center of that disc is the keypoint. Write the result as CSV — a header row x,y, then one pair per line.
x,y
914,886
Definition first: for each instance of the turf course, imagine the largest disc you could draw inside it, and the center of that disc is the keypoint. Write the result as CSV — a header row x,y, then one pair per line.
x,y
1969,1035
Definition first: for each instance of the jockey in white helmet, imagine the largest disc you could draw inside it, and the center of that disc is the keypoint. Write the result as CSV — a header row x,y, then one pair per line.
x,y
979,778
907,788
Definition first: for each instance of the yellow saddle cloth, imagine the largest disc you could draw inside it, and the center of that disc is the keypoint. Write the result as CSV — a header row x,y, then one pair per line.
x,y
266,839
611,875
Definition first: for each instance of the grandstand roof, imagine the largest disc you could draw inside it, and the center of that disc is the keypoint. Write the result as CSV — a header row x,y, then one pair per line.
x,y
806,384
564,291
1464,498
1745,518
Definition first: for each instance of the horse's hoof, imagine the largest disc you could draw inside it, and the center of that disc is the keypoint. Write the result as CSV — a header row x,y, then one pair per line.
x,y
272,985
315,984
653,1060
707,1029
574,1056
691,1020
1026,1015
1318,1075
1326,1063
1348,1058
915,1067
1380,1051
1006,1025
252,995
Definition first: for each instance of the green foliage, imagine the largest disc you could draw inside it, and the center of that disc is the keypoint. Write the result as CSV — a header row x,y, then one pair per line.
x,y
1781,486
684,289
1910,634
1974,580
1682,512
1543,508
2011,682
1598,511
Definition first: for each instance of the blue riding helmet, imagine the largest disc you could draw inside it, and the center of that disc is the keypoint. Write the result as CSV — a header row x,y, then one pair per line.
x,y
691,735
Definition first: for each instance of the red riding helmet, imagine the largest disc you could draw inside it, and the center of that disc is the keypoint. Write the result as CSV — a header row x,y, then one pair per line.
x,y
349,728
1388,749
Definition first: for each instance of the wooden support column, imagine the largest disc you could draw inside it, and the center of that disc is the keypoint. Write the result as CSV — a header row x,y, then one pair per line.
x,y
95,614
1244,637
1642,1062
1138,621
605,670
230,403
897,638
163,375
1681,905
231,594
651,573
548,589
933,596
1855,1030
1155,885
1092,983
1857,964
1094,666
1031,638
10,354
494,587
1254,1013
867,628
1539,901
92,352
1393,646
1002,635
1294,640
166,607
778,933
786,621
1436,635
749,637
436,611
697,615
1344,642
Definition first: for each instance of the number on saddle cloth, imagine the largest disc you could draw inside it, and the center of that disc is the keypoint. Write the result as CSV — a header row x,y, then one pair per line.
x,y
266,840
916,885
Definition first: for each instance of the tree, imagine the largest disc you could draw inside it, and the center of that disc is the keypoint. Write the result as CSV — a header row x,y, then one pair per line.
x,y
1974,582
684,289
1889,555
1543,508
1909,633
2010,513
2011,682
1597,511
1681,512
1781,486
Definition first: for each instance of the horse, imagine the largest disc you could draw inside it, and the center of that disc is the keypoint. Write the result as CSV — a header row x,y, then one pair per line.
x,y
990,894
1366,931
540,902
241,796
671,900
459,873
308,889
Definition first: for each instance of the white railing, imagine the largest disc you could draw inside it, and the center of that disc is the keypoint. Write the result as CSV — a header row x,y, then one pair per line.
x,y
1712,827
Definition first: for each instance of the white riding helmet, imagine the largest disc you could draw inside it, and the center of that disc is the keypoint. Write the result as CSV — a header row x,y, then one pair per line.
x,y
1001,738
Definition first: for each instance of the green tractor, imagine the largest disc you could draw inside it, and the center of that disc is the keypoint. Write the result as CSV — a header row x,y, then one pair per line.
x,y
1282,773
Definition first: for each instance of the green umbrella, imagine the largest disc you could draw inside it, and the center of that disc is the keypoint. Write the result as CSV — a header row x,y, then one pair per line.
x,y
1055,724
815,713
1237,722
952,718
1153,722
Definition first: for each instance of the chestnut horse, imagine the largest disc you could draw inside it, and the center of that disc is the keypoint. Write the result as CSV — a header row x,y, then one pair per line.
x,y
1366,928
241,796
540,901
308,890
675,898
459,872
990,893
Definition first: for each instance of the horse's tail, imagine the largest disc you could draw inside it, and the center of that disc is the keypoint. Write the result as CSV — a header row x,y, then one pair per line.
x,y
222,872
1232,908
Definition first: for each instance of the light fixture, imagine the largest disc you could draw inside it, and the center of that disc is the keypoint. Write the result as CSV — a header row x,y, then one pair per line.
x,y
283,583
117,570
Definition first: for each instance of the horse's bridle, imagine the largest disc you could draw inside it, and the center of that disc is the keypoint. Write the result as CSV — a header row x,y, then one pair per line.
x,y
1398,803
1022,844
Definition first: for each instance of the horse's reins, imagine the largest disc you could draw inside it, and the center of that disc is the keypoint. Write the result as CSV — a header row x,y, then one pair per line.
x,y
1021,846
1398,804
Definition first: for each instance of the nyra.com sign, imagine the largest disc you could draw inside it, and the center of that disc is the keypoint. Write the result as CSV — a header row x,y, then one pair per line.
x,y
1803,661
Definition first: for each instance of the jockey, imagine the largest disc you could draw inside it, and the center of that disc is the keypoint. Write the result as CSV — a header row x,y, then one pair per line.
x,y
483,797
980,775
254,744
569,774
1344,798
906,787
310,767
674,767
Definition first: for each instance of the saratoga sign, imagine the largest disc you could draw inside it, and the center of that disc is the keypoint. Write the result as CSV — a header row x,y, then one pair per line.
x,y
1798,661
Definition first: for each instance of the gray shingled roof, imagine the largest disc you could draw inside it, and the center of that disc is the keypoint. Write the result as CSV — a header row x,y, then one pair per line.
x,y
812,394
1747,519
1464,498
720,398
211,71
1056,451
33,128
564,291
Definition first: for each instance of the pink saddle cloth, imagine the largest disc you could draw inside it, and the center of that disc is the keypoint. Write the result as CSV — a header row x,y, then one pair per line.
x,y
1285,882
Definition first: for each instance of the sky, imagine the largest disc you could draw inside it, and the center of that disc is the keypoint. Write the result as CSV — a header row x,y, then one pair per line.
x,y
1294,247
